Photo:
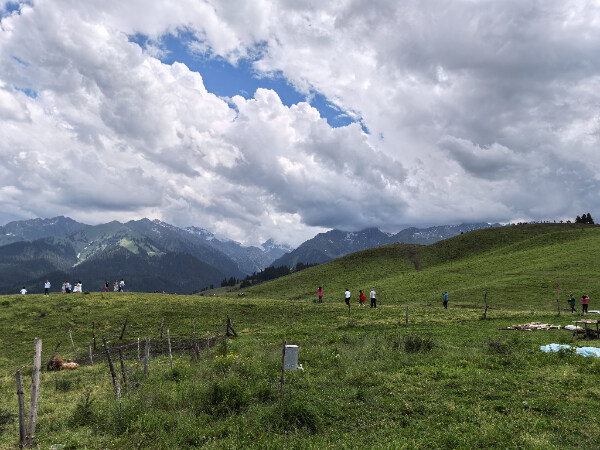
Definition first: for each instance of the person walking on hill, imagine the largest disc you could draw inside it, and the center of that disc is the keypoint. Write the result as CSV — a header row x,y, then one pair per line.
x,y
47,287
116,286
122,285
585,300
373,298
64,287
23,291
572,303
347,297
361,299
320,293
107,286
445,299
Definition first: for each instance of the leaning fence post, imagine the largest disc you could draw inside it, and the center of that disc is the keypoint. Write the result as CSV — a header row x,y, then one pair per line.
x,y
49,365
35,392
123,330
112,370
162,324
292,319
21,398
123,368
146,356
407,315
94,335
170,354
207,340
91,355
139,357
73,344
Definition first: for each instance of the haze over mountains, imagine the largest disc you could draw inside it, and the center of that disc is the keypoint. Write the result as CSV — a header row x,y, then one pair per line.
x,y
155,256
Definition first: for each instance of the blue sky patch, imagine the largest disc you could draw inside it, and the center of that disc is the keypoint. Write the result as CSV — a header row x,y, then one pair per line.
x,y
226,80
28,92
9,8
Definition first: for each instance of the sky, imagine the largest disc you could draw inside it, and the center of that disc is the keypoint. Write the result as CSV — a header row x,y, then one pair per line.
x,y
260,119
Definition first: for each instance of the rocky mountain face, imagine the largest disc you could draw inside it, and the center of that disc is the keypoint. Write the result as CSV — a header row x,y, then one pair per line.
x,y
333,244
336,243
150,254
30,230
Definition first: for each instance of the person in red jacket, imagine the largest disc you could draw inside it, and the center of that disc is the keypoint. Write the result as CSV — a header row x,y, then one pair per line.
x,y
361,299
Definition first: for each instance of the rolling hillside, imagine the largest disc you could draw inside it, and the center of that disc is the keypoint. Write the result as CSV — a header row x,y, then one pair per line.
x,y
511,264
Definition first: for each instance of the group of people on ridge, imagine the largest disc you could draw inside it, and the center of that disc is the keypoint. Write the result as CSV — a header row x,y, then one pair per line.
x,y
585,301
118,286
68,288
362,299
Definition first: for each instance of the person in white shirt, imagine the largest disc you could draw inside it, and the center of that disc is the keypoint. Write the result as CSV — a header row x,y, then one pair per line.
x,y
347,297
122,285
47,287
23,291
373,298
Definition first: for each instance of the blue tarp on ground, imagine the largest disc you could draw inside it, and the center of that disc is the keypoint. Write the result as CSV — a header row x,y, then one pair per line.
x,y
583,351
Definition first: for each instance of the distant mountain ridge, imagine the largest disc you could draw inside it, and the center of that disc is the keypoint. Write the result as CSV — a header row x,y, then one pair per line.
x,y
334,244
150,254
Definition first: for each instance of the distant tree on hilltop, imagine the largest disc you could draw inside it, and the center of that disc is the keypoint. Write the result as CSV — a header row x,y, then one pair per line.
x,y
585,218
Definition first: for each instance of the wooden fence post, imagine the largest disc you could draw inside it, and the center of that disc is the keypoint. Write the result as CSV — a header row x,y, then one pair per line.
x,y
162,324
73,344
35,393
486,306
207,340
407,315
282,372
91,355
112,370
348,314
21,399
170,354
49,365
123,330
94,335
123,374
292,319
229,327
146,355
139,356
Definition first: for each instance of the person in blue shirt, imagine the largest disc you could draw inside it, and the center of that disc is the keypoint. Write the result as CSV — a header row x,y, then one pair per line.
x,y
445,298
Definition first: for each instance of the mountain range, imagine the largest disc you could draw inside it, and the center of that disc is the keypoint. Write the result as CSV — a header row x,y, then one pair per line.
x,y
152,255
334,244
149,254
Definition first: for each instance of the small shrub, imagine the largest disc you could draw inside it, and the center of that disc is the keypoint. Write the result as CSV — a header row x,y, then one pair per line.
x,y
84,413
5,303
222,348
416,344
499,347
226,396
62,384
6,417
297,415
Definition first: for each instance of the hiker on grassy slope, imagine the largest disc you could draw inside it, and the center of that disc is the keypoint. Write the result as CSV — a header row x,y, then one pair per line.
x,y
373,298
585,300
445,299
361,299
572,303
347,297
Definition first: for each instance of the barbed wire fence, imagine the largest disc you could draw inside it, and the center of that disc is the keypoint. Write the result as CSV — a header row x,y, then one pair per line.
x,y
124,357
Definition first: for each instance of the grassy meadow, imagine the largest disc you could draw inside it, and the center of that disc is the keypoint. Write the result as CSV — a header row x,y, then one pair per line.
x,y
448,379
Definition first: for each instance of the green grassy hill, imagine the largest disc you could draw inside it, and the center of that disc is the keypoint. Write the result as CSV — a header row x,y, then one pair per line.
x,y
447,379
521,266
